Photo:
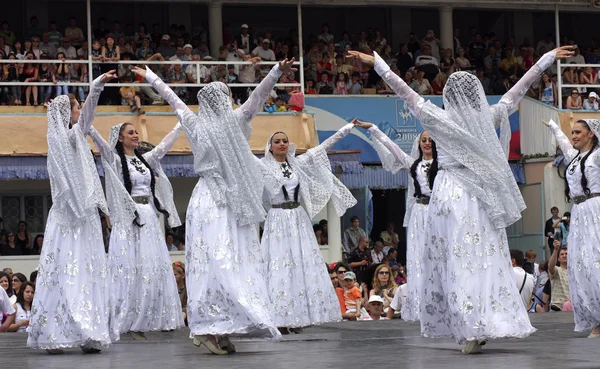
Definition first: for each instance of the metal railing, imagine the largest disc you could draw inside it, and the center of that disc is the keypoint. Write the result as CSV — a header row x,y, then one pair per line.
x,y
89,63
560,85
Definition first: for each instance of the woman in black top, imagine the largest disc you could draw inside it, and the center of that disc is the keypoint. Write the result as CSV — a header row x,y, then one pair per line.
x,y
11,248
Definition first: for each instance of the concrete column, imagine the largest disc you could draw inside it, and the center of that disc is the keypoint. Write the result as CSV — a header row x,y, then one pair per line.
x,y
334,234
446,28
215,26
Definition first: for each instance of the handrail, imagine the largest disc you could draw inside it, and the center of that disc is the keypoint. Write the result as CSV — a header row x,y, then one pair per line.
x,y
560,85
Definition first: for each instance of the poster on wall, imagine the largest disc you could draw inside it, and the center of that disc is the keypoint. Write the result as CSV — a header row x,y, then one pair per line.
x,y
390,114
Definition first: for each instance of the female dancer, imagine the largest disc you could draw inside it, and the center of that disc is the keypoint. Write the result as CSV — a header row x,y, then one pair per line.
x,y
423,167
469,289
299,288
225,282
69,309
583,187
143,295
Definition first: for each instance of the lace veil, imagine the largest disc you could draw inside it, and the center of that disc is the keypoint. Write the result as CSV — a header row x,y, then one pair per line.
x,y
594,125
74,182
465,134
317,182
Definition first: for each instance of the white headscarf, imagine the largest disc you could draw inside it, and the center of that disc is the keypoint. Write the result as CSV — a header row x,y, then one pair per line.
x,y
74,181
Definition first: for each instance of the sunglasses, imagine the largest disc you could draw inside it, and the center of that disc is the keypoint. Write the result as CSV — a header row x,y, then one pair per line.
x,y
574,93
16,280
341,271
384,273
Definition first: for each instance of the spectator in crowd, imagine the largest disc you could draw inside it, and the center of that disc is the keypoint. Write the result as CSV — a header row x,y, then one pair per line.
x,y
384,285
438,83
547,92
447,62
66,48
141,35
144,49
33,30
97,56
46,47
129,97
8,271
485,81
169,239
325,87
404,59
530,257
547,44
17,281
360,259
426,58
165,49
398,301
179,272
352,296
339,291
382,88
461,62
245,40
264,51
563,224
577,58
101,31
10,248
375,308
12,72
476,51
341,84
587,77
309,87
61,75
550,231
392,256
77,75
7,310
202,50
352,235
23,307
116,31
33,277
377,254
433,43
178,76
525,281
6,282
559,278
389,237
509,64
55,35
421,85
280,105
355,85
318,233
29,73
574,101
74,33
325,36
6,34
591,103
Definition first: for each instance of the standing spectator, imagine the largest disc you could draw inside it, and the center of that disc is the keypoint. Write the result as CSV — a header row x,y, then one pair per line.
x,y
46,47
55,35
116,31
404,59
360,259
476,49
6,34
434,44
165,49
574,101
377,254
141,35
101,31
325,36
245,41
525,281
264,51
10,248
74,33
389,237
23,308
559,277
550,231
33,30
563,224
66,48
29,73
7,310
547,91
203,51
591,103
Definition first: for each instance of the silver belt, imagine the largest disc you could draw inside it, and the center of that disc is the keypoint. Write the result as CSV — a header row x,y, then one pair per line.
x,y
286,205
140,199
582,198
423,200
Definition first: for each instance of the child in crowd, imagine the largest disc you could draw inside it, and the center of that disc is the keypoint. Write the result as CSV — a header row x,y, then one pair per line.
x,y
269,106
310,87
280,105
341,87
129,97
352,295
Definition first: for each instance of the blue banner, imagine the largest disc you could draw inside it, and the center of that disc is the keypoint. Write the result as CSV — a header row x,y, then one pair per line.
x,y
389,113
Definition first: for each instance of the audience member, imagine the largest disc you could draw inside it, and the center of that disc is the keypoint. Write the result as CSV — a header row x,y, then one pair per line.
x,y
559,278
179,272
352,296
591,103
377,254
17,281
352,236
384,285
169,239
11,248
375,307
23,308
360,259
525,281
7,310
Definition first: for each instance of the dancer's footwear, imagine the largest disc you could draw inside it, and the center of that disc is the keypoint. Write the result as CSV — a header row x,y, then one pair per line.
x,y
594,335
472,347
297,330
283,330
138,336
210,345
226,344
89,350
55,351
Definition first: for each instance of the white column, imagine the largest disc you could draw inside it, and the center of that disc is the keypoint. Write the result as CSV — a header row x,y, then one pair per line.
x,y
215,26
446,28
334,234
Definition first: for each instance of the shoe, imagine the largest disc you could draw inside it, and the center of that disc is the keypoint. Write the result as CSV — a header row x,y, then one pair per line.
x,y
157,102
472,347
297,330
89,350
226,344
594,335
138,336
55,352
140,112
203,340
283,330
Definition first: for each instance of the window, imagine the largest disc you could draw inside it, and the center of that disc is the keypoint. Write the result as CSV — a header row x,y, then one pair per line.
x,y
31,208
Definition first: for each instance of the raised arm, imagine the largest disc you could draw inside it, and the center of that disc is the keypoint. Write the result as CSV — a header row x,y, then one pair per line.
x,y
343,132
563,141
402,159
88,111
165,145
101,144
258,97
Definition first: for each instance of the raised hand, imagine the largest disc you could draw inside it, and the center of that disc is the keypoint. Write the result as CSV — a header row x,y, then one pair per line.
x,y
108,76
358,123
286,65
366,59
139,71
547,124
564,52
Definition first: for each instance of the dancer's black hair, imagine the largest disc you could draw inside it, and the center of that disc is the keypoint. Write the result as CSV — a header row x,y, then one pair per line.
x,y
584,181
127,177
432,170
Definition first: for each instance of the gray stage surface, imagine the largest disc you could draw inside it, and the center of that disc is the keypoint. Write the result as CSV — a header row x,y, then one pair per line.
x,y
384,344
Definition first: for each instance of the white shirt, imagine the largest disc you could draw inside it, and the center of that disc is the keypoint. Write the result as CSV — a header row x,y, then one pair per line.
x,y
527,290
426,59
22,314
377,257
400,297
267,55
70,52
5,306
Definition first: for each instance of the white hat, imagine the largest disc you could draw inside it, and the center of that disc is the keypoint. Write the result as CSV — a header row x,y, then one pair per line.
x,y
208,57
593,94
166,37
375,298
244,26
266,40
187,45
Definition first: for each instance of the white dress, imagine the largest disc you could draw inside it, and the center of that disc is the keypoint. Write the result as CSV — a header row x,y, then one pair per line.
x,y
70,305
225,282
469,291
584,235
143,295
299,286
415,218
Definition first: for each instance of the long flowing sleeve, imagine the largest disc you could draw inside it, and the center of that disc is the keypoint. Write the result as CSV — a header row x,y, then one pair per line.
x,y
88,111
180,108
343,132
511,99
258,97
563,141
101,144
157,153
411,98
392,157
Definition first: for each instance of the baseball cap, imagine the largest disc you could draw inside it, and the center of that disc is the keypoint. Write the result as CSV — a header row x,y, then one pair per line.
x,y
593,94
244,26
187,45
266,40
350,275
208,57
376,298
166,37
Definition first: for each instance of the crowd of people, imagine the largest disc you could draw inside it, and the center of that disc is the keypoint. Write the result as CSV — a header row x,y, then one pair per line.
x,y
422,62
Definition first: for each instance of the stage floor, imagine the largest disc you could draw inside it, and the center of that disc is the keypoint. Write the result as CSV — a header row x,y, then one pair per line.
x,y
384,344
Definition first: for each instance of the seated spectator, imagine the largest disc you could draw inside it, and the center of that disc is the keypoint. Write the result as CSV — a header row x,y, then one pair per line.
x,y
264,51
7,310
377,254
339,291
67,49
309,87
23,308
129,97
296,101
447,62
389,237
591,103
10,248
375,309
165,48
29,73
588,76
574,101
392,256
269,106
178,76
318,233
559,278
280,105
33,276
437,86
77,75
509,64
461,62
352,296
383,285
382,88
341,84
179,272
485,82
355,86
398,301
530,257
325,87
17,281
426,57
421,85
169,239
525,281
341,67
